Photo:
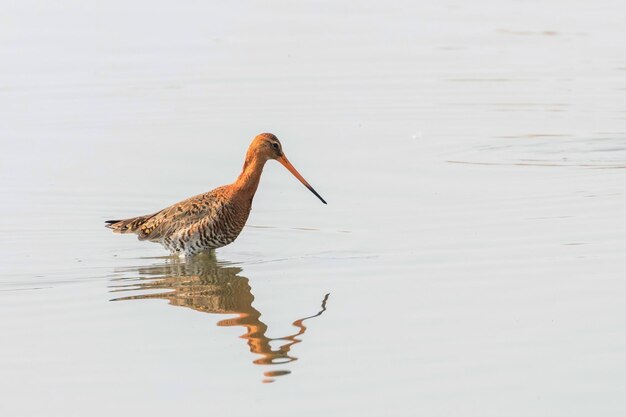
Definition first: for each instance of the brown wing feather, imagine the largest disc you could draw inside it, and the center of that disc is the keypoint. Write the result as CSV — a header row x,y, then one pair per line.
x,y
202,208
127,225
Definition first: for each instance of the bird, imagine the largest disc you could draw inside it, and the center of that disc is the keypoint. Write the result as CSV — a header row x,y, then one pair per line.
x,y
213,219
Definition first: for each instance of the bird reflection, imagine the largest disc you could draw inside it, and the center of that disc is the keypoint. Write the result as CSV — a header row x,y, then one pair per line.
x,y
204,284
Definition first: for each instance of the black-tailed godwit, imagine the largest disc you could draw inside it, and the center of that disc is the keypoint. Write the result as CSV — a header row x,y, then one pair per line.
x,y
214,219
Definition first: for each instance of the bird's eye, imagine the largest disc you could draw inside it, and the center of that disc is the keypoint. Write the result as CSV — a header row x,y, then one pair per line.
x,y
275,145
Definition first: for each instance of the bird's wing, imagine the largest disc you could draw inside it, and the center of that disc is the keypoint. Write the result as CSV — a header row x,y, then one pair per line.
x,y
203,208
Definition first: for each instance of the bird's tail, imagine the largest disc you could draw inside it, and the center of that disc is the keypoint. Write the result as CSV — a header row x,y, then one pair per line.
x,y
127,225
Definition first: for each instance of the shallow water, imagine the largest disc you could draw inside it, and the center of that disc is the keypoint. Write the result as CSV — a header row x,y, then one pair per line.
x,y
469,261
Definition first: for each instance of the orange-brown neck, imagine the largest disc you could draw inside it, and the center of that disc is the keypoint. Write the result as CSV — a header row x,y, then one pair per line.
x,y
248,181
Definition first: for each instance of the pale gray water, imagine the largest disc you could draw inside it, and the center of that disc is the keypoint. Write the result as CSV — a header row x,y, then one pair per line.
x,y
472,155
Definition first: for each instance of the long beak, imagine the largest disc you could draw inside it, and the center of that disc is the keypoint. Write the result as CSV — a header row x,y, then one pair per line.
x,y
283,160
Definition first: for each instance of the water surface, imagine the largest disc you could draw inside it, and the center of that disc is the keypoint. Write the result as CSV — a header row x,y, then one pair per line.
x,y
469,261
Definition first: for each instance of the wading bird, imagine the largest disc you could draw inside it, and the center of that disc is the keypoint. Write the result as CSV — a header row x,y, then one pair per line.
x,y
214,219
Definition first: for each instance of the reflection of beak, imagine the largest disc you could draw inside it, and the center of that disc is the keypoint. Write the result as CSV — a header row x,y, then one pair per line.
x,y
283,160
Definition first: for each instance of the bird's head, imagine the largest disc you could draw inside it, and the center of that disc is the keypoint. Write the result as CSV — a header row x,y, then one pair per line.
x,y
266,146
